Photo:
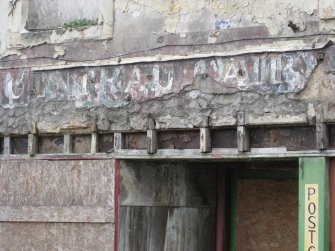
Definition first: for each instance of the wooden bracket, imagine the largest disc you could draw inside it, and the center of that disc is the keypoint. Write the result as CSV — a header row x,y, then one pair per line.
x,y
151,123
94,142
32,144
322,136
68,143
152,141
205,140
243,138
7,147
118,141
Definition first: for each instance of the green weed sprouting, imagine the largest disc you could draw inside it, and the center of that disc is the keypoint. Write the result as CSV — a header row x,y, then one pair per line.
x,y
80,23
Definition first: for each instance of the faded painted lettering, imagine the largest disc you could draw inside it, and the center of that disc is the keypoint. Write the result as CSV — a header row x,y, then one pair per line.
x,y
311,217
117,85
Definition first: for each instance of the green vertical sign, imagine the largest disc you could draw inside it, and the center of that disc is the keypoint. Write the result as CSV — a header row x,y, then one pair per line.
x,y
313,204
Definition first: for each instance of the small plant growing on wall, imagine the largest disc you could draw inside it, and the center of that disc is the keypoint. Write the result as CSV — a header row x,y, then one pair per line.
x,y
80,23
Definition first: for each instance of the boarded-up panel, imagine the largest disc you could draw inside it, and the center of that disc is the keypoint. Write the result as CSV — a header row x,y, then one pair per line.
x,y
57,183
81,143
167,229
267,215
295,139
226,138
167,184
106,143
56,236
19,145
331,136
179,140
57,205
135,141
51,144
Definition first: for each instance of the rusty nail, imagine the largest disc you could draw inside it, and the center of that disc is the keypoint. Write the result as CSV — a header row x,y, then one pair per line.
x,y
241,72
149,76
204,75
160,39
293,26
321,56
119,60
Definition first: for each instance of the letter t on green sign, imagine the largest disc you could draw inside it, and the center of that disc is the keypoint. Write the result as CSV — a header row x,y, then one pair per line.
x,y
313,204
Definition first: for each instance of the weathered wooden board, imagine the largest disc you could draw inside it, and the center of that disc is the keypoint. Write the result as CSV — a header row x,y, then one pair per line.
x,y
50,144
56,236
57,191
224,138
167,184
298,138
166,229
106,143
81,144
81,214
179,140
267,215
19,145
135,140
331,136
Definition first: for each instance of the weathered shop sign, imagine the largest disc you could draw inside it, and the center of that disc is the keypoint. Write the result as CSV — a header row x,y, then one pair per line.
x,y
116,86
311,217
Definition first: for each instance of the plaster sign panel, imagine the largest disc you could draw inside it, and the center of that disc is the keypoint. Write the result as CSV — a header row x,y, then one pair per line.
x,y
116,86
54,13
326,9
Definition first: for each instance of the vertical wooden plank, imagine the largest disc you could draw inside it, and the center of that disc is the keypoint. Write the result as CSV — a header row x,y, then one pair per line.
x,y
152,141
94,142
205,140
7,148
68,143
332,205
118,141
243,139
322,138
313,204
116,203
220,210
32,144
233,210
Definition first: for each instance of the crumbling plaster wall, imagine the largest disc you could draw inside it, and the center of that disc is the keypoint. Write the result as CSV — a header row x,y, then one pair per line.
x,y
154,31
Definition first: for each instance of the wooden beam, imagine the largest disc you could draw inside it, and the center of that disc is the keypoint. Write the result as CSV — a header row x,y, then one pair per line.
x,y
32,144
152,141
94,142
313,204
68,145
243,138
7,147
118,141
205,140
